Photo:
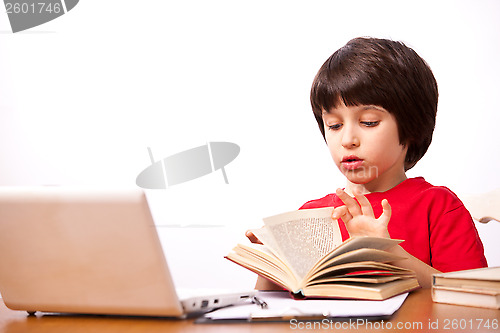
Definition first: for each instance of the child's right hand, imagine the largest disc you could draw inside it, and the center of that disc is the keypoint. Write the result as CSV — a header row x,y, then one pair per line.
x,y
358,216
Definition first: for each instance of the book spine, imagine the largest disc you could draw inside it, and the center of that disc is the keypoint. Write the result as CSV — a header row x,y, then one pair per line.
x,y
299,294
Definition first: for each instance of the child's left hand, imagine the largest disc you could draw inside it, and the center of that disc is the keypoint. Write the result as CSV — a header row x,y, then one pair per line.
x,y
358,216
251,236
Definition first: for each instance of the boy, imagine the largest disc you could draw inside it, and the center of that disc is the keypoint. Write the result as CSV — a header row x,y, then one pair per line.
x,y
375,102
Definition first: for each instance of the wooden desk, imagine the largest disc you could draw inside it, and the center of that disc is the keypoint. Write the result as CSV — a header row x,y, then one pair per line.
x,y
418,314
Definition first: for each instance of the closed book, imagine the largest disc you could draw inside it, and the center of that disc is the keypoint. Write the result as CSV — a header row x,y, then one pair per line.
x,y
479,278
475,287
483,298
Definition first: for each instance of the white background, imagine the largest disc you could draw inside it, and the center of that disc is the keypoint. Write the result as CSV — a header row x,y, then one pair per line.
x,y
83,96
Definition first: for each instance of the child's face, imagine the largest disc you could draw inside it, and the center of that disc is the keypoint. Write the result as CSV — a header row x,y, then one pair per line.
x,y
364,143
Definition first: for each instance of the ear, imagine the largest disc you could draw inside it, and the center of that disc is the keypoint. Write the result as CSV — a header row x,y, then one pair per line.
x,y
407,164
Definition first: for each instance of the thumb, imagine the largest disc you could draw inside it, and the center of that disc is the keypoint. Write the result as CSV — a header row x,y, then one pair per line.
x,y
251,236
339,212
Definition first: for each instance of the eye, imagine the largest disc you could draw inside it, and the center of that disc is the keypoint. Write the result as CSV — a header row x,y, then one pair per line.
x,y
370,123
334,127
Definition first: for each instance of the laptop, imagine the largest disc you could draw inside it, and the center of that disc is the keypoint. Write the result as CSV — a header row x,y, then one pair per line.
x,y
89,251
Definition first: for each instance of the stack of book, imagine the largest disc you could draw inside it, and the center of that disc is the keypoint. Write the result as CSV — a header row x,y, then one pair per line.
x,y
476,287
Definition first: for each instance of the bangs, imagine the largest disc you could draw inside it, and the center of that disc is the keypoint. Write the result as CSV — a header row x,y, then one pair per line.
x,y
328,93
334,85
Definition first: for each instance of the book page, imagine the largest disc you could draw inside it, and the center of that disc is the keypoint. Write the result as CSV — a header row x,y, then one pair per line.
x,y
363,254
265,236
300,238
260,260
356,243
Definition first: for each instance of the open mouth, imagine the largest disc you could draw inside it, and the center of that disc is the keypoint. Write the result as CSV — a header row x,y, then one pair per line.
x,y
351,162
351,159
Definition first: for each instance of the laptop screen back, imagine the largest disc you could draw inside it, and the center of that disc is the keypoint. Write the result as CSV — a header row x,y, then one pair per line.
x,y
82,251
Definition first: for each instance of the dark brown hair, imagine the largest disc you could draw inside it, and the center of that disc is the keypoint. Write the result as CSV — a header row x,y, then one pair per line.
x,y
386,73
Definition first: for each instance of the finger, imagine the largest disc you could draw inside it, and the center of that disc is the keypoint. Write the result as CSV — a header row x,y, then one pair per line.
x,y
386,212
346,217
342,213
366,206
338,212
349,201
251,236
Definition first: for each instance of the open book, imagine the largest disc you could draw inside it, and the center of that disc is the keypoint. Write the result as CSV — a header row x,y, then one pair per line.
x,y
303,252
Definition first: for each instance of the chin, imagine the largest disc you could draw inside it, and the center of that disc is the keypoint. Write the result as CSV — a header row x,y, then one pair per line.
x,y
359,181
360,177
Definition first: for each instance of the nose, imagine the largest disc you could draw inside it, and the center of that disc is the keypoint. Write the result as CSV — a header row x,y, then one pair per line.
x,y
350,138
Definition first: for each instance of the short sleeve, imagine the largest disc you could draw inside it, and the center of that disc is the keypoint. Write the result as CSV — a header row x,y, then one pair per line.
x,y
454,241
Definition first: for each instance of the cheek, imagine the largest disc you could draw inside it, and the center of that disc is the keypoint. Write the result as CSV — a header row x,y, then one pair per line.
x,y
334,151
390,153
384,149
386,142
332,144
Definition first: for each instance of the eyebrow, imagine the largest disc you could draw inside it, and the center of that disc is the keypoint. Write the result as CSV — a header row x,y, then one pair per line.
x,y
363,108
379,108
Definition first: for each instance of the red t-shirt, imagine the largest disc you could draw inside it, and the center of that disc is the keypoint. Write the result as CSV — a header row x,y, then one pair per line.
x,y
432,221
